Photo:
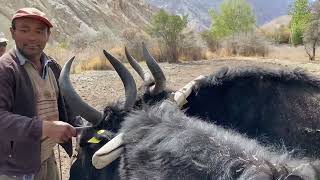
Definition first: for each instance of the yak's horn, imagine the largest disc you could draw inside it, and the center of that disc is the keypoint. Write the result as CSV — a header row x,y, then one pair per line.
x,y
146,77
108,152
156,71
126,78
77,105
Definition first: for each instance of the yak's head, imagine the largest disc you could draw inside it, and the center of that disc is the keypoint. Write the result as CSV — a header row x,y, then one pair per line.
x,y
105,124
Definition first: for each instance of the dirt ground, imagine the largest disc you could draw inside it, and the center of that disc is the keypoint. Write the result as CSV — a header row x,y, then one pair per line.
x,y
98,88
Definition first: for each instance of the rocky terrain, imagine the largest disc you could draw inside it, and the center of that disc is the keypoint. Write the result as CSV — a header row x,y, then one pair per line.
x,y
74,18
113,18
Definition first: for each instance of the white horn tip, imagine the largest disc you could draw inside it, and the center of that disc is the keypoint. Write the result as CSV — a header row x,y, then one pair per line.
x,y
100,162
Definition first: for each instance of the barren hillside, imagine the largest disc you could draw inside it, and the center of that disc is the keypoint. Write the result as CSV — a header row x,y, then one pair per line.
x,y
73,18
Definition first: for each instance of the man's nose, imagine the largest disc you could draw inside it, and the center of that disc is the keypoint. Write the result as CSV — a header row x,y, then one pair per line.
x,y
32,36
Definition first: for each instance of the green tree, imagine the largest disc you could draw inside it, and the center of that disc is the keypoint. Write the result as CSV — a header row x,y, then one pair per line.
x,y
235,16
301,16
169,28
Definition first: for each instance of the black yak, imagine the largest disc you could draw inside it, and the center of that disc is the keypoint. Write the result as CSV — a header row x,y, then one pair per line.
x,y
275,104
109,121
161,142
115,113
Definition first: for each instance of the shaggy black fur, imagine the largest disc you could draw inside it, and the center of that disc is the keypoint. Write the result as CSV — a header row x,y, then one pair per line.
x,y
163,143
276,105
114,114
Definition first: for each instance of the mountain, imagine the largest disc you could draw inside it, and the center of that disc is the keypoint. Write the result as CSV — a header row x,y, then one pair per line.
x,y
74,18
197,10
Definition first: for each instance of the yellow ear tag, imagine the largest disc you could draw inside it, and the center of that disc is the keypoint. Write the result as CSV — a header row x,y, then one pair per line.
x,y
94,140
101,131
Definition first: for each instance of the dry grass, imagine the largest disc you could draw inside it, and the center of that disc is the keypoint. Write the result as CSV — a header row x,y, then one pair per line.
x,y
60,54
287,52
96,60
277,52
86,59
95,63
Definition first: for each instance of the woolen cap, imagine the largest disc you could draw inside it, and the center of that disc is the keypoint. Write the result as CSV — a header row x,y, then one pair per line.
x,y
32,13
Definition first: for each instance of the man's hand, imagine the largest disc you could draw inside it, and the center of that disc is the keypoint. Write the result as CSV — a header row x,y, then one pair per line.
x,y
58,130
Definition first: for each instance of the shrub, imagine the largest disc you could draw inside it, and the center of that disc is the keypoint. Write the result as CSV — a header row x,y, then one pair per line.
x,y
192,53
133,39
212,43
280,35
192,47
169,28
246,44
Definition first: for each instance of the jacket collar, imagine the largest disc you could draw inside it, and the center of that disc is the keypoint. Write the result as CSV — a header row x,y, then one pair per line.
x,y
43,58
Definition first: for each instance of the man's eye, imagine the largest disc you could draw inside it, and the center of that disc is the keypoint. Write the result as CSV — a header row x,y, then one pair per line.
x,y
23,30
40,31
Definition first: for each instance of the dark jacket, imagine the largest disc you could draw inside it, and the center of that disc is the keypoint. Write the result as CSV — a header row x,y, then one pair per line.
x,y
20,129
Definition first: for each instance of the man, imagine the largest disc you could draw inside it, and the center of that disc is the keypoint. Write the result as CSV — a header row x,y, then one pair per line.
x,y
3,45
30,102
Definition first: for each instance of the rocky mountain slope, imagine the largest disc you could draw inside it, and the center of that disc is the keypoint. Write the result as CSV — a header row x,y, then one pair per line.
x,y
72,18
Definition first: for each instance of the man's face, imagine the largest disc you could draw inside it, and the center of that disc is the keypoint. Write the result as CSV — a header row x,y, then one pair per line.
x,y
2,48
31,36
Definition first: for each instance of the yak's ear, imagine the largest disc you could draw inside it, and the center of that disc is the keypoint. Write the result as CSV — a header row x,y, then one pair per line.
x,y
293,177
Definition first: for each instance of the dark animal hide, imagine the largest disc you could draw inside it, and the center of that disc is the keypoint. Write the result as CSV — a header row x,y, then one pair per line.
x,y
276,105
82,168
161,142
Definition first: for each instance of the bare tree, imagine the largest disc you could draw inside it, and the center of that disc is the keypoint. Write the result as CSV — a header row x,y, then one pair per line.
x,y
311,35
311,38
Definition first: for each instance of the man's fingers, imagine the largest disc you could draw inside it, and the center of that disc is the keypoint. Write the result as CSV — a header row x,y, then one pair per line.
x,y
64,138
72,130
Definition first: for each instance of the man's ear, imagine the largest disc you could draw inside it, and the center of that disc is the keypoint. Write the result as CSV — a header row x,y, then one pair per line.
x,y
12,33
49,33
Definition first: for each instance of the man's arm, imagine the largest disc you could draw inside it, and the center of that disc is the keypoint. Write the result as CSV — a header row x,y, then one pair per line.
x,y
14,126
21,128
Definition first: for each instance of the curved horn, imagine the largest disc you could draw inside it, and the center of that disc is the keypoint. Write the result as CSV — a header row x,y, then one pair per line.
x,y
108,152
146,77
79,107
126,78
157,73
